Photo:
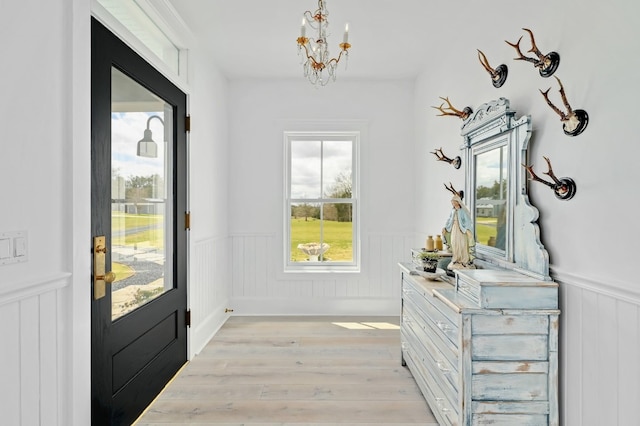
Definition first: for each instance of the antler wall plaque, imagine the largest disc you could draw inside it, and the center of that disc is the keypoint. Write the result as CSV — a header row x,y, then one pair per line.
x,y
455,162
564,188
573,121
546,64
498,75
450,110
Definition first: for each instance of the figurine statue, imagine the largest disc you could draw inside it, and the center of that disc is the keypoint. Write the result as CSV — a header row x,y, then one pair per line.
x,y
458,235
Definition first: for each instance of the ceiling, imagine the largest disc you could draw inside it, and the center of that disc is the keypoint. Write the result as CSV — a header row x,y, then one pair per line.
x,y
257,38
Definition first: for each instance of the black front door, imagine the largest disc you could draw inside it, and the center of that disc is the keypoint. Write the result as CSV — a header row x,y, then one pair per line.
x,y
139,247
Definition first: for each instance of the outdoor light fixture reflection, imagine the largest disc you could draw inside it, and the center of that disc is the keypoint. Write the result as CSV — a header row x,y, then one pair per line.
x,y
147,147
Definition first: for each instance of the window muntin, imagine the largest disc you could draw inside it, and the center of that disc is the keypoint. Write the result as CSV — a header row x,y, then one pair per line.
x,y
321,202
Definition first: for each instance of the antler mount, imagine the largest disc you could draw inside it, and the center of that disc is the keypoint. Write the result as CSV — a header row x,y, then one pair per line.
x,y
498,75
455,162
450,110
546,64
573,121
564,188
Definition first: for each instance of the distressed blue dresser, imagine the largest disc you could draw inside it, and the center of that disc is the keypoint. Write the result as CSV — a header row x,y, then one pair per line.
x,y
483,350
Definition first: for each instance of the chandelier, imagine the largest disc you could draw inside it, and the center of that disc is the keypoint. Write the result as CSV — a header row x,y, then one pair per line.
x,y
317,66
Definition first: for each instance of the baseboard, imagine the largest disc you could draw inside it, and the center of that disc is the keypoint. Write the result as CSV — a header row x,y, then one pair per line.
x,y
202,332
314,306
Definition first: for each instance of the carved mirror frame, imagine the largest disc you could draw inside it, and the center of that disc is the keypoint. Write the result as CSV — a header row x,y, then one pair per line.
x,y
492,127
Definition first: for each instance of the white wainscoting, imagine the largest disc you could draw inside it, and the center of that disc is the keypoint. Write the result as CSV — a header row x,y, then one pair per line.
x,y
33,351
599,351
259,287
208,290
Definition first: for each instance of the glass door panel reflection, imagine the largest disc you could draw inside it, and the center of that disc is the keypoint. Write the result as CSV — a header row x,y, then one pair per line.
x,y
141,197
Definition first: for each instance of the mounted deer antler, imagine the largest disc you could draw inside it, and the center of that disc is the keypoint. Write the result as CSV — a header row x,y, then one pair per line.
x,y
498,75
564,188
451,189
573,122
546,64
455,162
450,110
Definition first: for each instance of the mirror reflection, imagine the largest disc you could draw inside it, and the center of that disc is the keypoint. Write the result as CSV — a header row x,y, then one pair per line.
x,y
491,197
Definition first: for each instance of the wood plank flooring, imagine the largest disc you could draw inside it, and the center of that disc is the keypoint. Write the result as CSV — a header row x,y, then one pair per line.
x,y
295,371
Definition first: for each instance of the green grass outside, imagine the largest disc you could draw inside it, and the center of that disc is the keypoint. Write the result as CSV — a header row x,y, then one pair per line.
x,y
337,234
485,228
151,237
122,271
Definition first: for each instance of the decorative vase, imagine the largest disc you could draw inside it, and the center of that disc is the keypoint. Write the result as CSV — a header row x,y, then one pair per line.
x,y
430,244
439,245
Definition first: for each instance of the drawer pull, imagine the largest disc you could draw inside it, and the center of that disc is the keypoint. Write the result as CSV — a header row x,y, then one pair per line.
x,y
442,366
443,326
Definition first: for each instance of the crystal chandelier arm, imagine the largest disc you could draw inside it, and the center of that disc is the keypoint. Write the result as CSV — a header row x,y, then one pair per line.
x,y
314,64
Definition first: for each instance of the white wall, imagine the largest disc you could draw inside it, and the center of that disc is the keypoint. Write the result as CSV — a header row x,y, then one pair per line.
x,y
259,113
591,239
208,191
44,166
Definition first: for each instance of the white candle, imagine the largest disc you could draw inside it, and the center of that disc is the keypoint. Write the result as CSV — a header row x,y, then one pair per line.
x,y
345,39
303,27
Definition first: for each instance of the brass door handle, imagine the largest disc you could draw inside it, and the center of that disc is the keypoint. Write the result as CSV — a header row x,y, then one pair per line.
x,y
100,277
107,277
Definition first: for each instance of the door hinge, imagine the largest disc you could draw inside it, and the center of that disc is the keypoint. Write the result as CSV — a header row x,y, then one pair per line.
x,y
187,318
187,221
187,123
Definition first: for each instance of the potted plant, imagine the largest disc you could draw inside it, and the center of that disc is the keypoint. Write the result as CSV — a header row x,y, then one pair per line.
x,y
429,260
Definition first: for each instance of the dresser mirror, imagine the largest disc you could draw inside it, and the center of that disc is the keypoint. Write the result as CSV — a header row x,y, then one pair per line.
x,y
506,229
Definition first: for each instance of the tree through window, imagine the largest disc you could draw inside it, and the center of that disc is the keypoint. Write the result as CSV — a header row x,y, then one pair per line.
x,y
321,201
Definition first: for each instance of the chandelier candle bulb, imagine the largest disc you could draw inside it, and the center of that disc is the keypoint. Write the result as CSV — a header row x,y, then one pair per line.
x,y
345,39
303,29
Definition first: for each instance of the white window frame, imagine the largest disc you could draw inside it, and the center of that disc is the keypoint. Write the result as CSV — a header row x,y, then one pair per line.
x,y
355,265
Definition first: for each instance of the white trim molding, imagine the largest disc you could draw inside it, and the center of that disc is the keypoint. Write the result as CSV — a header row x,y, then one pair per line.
x,y
606,286
26,289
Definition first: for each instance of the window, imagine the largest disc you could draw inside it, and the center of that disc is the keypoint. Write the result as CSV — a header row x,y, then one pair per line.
x,y
321,202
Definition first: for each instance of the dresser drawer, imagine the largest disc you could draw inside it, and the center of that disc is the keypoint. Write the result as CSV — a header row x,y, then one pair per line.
x,y
439,314
444,372
444,411
468,288
433,334
502,289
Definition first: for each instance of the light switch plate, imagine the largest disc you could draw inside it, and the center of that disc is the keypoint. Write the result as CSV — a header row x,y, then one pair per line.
x,y
13,247
5,248
19,246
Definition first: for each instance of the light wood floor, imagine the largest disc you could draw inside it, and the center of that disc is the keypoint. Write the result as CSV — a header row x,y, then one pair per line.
x,y
298,371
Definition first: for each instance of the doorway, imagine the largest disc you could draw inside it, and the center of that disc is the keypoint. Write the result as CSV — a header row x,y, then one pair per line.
x,y
138,225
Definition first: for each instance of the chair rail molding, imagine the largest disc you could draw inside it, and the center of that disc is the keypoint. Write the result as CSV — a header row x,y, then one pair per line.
x,y
24,289
613,288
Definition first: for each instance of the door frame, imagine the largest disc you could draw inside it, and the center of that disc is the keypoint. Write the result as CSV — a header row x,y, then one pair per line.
x,y
114,52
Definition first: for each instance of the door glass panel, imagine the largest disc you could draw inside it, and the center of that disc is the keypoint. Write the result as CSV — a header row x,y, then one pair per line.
x,y
141,197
